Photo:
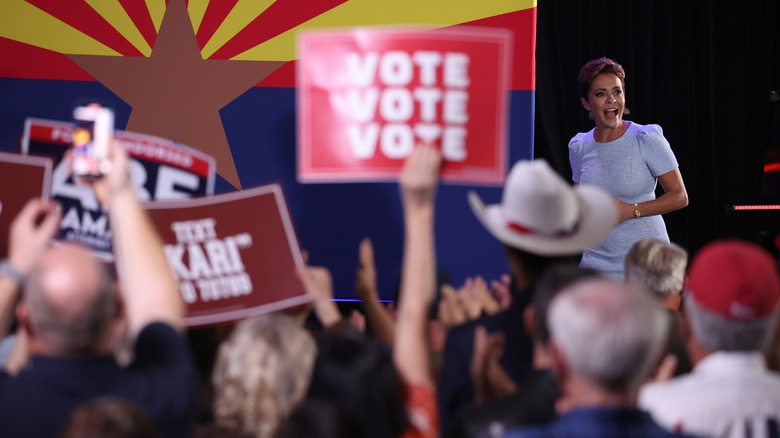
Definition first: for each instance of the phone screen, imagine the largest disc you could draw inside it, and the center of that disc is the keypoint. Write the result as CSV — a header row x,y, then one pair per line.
x,y
91,137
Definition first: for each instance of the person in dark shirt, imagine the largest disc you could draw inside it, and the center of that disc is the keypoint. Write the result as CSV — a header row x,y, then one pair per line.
x,y
72,312
534,398
541,221
605,338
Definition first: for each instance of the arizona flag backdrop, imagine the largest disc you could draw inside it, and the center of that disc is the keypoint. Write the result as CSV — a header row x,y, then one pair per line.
x,y
219,76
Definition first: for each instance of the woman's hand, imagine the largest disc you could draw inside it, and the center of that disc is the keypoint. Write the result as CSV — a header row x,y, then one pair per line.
x,y
624,209
674,198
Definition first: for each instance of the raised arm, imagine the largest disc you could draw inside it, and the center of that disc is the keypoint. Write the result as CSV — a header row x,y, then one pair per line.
x,y
674,198
419,180
318,284
29,236
379,319
148,288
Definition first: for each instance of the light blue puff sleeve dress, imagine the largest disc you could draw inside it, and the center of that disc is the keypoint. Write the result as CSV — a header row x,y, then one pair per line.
x,y
628,169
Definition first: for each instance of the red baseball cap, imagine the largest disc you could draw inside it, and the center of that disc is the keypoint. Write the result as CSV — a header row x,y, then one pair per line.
x,y
735,279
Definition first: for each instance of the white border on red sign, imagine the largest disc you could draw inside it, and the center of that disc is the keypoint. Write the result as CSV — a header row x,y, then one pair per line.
x,y
378,175
292,240
248,312
36,161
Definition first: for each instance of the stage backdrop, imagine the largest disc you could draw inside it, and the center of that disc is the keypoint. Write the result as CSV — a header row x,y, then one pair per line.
x,y
219,76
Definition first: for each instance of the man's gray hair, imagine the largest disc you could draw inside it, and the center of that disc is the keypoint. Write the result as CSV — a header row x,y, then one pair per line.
x,y
717,333
656,266
611,334
77,334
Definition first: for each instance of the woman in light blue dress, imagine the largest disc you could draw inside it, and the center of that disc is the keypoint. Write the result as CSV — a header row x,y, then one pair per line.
x,y
626,160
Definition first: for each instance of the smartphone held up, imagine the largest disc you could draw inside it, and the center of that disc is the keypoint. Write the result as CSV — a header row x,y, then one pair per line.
x,y
92,136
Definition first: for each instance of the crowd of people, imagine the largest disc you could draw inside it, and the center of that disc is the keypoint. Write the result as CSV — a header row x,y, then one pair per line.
x,y
656,347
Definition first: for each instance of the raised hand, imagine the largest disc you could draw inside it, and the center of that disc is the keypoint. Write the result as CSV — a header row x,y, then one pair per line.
x,y
365,279
501,291
378,317
420,178
318,284
451,310
116,180
472,300
491,381
30,233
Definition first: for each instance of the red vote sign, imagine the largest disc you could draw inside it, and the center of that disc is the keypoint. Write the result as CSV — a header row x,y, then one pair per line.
x,y
366,97
234,254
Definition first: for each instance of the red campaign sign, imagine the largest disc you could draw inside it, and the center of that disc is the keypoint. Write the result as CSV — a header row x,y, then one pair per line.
x,y
21,178
366,97
229,267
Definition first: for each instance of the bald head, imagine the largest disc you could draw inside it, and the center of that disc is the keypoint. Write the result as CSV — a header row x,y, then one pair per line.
x,y
71,300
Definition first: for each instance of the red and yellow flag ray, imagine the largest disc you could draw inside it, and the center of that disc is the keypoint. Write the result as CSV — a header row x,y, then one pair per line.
x,y
256,30
231,45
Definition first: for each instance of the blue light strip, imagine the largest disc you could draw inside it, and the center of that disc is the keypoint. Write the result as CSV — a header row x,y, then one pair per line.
x,y
353,300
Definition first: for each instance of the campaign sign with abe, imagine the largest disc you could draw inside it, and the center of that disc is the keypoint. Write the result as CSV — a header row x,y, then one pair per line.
x,y
234,255
366,97
159,169
21,178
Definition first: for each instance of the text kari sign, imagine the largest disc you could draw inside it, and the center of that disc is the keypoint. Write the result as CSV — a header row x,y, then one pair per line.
x,y
366,97
234,254
159,169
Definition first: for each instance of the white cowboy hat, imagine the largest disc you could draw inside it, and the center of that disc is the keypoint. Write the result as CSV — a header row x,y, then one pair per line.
x,y
542,214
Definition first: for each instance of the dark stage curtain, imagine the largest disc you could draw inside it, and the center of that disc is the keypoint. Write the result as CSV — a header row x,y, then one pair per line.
x,y
703,70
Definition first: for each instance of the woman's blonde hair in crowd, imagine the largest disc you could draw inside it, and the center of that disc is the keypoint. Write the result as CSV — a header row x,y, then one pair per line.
x,y
262,373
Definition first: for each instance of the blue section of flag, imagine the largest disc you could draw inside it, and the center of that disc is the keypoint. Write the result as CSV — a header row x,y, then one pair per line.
x,y
47,99
331,219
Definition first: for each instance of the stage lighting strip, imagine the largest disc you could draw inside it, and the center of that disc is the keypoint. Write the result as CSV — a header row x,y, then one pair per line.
x,y
755,207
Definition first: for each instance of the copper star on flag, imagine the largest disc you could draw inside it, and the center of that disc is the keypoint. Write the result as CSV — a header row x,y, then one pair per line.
x,y
175,93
